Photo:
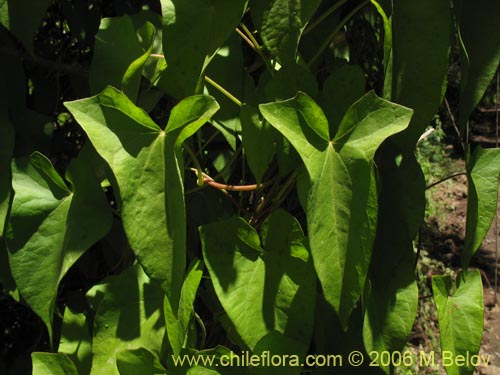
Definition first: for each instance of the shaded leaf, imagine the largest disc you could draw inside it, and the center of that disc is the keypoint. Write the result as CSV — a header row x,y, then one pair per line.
x,y
148,166
391,293
6,150
258,141
280,24
460,314
421,37
340,90
192,33
22,18
479,21
52,226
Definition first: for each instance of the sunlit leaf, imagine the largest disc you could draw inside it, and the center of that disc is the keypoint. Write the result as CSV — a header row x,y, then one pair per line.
x,y
262,290
148,167
129,316
51,226
75,340
177,322
52,364
342,204
138,362
460,314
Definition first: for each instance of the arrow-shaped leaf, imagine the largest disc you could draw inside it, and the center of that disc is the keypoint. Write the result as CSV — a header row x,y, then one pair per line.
x,y
262,290
342,204
51,226
460,315
484,169
148,168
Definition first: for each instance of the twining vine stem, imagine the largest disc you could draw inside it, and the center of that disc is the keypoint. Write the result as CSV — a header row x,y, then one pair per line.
x,y
207,180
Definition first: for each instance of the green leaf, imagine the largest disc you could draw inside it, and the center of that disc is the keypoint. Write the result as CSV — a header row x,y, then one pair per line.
x,y
341,214
75,340
384,9
138,362
52,364
421,33
52,226
460,314
227,69
116,47
288,80
32,129
22,18
129,316
281,346
391,293
340,90
178,323
483,172
262,290
6,150
280,24
132,78
192,32
480,54
209,361
258,141
148,168
122,47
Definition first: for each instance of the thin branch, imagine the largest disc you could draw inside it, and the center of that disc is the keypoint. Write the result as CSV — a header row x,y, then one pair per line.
x,y
72,69
454,123
199,171
444,179
247,39
256,46
226,93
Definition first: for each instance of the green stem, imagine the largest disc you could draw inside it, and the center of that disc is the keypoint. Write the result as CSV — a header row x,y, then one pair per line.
x,y
226,93
256,46
340,25
324,16
203,330
196,163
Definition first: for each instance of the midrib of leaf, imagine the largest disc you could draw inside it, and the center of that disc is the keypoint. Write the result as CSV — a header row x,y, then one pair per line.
x,y
334,212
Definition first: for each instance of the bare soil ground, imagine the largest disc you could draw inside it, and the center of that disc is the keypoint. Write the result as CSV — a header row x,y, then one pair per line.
x,y
444,242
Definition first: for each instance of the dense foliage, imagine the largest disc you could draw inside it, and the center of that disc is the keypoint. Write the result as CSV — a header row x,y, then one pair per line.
x,y
208,177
